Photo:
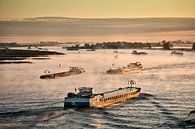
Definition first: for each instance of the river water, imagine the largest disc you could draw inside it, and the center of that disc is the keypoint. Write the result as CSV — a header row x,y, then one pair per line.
x,y
167,94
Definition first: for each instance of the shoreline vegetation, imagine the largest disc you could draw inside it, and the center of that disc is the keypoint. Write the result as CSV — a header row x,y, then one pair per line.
x,y
8,55
165,45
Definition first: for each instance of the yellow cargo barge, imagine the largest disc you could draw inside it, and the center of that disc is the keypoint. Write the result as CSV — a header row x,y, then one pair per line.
x,y
86,98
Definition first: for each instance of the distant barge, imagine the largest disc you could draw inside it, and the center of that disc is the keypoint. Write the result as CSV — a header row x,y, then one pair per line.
x,y
139,53
72,71
131,67
176,53
86,98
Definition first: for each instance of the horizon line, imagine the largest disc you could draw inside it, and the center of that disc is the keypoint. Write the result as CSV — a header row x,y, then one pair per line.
x,y
23,18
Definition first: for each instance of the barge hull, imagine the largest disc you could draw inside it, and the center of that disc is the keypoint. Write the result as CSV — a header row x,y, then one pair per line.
x,y
114,101
56,75
76,102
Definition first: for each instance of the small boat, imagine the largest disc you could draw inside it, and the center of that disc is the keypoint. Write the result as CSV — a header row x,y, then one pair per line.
x,y
92,49
131,67
72,71
73,48
139,53
190,120
115,51
176,53
42,48
86,98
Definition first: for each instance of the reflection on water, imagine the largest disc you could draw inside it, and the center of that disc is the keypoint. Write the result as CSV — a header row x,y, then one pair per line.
x,y
167,91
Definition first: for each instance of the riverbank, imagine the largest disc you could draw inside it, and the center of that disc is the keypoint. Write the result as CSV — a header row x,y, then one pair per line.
x,y
164,45
8,56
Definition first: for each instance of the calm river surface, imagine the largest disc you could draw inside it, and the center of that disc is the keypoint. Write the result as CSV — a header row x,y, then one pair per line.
x,y
168,91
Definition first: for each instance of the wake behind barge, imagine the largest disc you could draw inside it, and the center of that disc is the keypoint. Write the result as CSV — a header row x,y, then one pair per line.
x,y
86,98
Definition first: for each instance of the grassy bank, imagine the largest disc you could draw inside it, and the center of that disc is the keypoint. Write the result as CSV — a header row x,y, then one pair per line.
x,y
12,54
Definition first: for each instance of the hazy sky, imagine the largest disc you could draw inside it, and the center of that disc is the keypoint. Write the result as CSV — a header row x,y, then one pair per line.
x,y
97,8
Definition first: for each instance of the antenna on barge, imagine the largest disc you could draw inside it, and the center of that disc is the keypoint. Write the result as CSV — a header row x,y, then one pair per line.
x,y
131,83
